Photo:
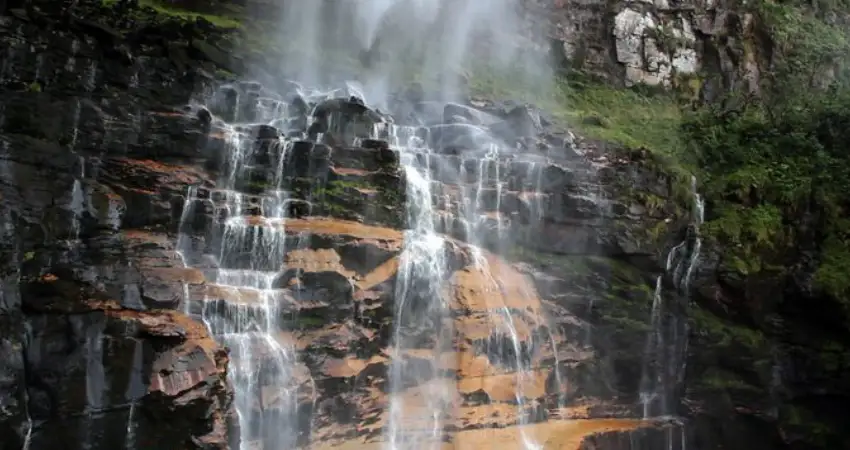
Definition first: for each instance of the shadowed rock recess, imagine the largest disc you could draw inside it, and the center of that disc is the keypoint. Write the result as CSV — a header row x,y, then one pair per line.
x,y
189,263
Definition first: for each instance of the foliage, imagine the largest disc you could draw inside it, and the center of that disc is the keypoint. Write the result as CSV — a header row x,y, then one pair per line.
x,y
776,174
804,44
629,117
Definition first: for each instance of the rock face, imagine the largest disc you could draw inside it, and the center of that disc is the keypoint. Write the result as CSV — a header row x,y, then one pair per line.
x,y
89,359
657,43
321,274
108,189
113,206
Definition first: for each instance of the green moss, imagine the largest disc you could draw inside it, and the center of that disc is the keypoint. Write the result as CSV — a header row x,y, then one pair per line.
x,y
760,226
563,264
717,379
813,429
805,43
628,117
309,321
728,336
227,19
832,274
224,74
628,324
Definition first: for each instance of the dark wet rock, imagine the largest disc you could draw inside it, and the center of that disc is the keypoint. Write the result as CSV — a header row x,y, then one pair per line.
x,y
297,105
454,111
520,122
341,120
318,287
666,435
152,370
81,131
456,138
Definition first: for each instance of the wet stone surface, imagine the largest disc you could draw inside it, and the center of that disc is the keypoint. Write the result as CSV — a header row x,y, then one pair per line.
x,y
167,264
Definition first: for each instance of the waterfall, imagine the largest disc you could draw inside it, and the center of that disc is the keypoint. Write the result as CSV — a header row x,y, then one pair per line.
x,y
28,436
665,352
420,308
136,389
248,245
478,201
489,201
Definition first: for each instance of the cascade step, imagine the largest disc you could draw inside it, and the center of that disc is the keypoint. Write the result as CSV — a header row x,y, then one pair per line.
x,y
239,310
538,175
472,199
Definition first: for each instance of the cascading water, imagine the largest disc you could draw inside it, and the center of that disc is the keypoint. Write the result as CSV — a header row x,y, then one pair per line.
x,y
466,202
666,346
401,39
78,201
248,247
487,196
135,390
96,380
422,317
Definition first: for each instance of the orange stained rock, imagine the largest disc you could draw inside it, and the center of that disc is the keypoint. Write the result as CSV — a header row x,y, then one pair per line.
x,y
469,364
340,334
350,171
181,274
326,226
49,278
146,236
506,387
260,221
496,285
356,230
556,435
378,275
349,366
235,295
316,260
142,191
481,327
561,435
168,114
420,400
193,337
179,173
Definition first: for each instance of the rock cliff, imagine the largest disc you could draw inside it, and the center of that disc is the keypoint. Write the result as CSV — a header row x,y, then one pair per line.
x,y
137,217
659,43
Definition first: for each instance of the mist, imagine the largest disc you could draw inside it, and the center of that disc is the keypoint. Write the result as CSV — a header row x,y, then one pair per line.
x,y
384,46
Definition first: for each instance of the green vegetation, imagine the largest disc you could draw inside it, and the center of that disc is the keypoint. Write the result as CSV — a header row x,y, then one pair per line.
x,y
775,168
726,382
640,118
634,118
227,19
226,16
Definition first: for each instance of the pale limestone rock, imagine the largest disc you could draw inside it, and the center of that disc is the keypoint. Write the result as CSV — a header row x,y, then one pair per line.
x,y
646,60
685,59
